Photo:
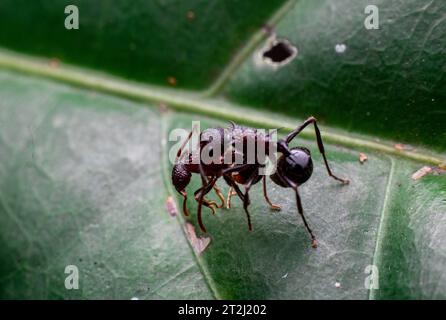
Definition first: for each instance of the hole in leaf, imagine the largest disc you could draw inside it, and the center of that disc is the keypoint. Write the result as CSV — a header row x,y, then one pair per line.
x,y
279,52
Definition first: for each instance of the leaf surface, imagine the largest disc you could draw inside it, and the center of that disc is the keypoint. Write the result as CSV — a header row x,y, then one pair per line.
x,y
85,178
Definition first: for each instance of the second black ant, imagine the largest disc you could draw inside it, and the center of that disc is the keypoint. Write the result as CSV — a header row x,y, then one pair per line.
x,y
294,168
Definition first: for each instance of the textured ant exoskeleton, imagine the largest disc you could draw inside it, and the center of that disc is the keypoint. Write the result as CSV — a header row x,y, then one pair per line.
x,y
210,173
294,167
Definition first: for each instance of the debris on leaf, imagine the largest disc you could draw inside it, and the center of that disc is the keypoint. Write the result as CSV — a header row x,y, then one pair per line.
x,y
171,206
285,275
362,157
314,243
54,63
401,147
190,15
421,173
199,244
269,30
163,108
172,81
340,48
438,170
337,284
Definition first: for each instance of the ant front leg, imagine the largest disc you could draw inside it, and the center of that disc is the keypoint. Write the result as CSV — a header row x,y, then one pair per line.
x,y
265,194
301,212
300,209
320,144
183,145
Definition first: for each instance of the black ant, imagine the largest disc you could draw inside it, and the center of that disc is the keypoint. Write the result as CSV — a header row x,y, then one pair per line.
x,y
294,167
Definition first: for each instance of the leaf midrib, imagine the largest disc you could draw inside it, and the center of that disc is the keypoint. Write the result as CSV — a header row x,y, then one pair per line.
x,y
196,103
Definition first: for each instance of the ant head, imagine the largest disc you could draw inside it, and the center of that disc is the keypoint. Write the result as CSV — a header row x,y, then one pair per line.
x,y
295,166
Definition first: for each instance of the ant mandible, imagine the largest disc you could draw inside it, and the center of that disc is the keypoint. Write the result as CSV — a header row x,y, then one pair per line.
x,y
294,167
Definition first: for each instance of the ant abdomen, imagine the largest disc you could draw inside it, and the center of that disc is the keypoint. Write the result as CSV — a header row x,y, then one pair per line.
x,y
297,167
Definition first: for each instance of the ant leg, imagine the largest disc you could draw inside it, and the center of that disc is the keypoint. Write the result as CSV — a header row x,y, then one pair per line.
x,y
185,209
180,151
246,201
202,173
231,193
301,212
265,194
220,196
209,204
234,186
300,208
320,144
204,191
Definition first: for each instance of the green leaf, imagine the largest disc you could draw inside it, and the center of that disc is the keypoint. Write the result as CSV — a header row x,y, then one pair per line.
x,y
80,185
388,82
85,175
189,40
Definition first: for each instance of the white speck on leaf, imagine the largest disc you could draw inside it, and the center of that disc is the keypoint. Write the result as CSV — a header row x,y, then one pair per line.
x,y
337,284
285,275
340,48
